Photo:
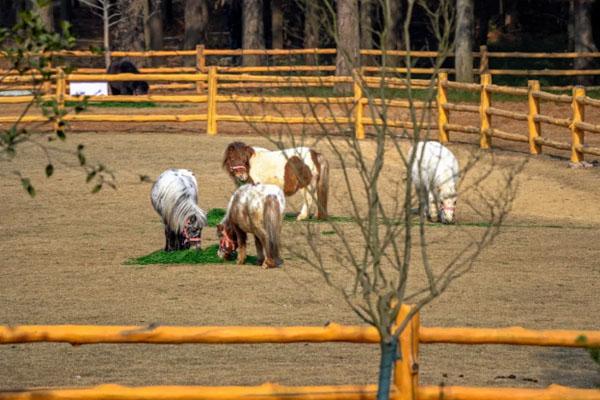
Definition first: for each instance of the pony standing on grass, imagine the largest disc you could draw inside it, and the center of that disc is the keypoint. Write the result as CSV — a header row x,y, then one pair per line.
x,y
435,174
256,209
296,169
174,196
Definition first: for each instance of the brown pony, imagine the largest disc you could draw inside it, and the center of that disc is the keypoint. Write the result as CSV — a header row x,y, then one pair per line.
x,y
256,209
299,169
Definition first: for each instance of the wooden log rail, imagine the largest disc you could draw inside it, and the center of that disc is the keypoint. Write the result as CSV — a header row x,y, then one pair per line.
x,y
576,123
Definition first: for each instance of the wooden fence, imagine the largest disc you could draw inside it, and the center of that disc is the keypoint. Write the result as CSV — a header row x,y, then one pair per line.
x,y
208,86
575,123
307,61
406,372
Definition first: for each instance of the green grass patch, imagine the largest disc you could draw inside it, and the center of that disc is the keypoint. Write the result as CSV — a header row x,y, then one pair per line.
x,y
214,216
328,233
207,255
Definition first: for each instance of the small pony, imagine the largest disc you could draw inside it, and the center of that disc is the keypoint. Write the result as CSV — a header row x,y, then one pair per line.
x,y
174,196
126,87
435,173
296,169
256,209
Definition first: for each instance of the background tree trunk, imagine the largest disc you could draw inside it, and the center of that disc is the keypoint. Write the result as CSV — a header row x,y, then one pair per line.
x,y
311,29
584,37
348,37
153,28
129,32
464,41
196,23
392,38
277,24
47,16
366,29
252,29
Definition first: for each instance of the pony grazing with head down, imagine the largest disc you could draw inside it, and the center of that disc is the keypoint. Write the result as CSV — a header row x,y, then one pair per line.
x,y
174,196
256,209
435,174
296,169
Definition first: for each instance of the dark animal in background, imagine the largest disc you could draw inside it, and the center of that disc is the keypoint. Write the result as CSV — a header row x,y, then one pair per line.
x,y
126,87
175,198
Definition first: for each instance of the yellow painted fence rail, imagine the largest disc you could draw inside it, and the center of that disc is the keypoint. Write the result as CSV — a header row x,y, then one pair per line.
x,y
405,380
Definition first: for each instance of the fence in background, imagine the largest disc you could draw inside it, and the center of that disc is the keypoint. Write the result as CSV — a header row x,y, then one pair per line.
x,y
310,61
406,371
353,115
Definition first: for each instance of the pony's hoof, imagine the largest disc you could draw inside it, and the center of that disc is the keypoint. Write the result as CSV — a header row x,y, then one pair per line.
x,y
269,264
240,261
301,217
260,261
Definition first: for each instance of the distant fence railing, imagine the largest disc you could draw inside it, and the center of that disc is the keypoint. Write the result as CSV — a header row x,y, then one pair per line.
x,y
307,60
406,371
208,86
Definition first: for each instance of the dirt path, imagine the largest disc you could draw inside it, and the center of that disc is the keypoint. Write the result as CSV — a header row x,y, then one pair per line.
x,y
63,254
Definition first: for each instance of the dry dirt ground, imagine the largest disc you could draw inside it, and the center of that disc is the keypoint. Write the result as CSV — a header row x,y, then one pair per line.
x,y
63,256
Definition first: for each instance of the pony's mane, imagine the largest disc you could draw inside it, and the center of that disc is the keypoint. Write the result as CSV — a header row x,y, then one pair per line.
x,y
175,197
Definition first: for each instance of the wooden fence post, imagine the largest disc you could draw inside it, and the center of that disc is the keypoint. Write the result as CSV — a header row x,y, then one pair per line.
x,y
60,100
406,371
484,61
211,121
577,134
359,128
534,128
200,66
486,119
442,100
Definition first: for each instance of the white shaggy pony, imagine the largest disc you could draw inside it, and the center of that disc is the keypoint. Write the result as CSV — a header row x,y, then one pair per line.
x,y
435,174
299,169
174,196
256,209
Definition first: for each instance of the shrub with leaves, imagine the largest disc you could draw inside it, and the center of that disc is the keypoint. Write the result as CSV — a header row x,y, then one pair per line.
x,y
28,48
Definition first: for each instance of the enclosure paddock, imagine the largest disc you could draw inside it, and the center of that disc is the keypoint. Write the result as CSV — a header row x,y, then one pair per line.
x,y
63,264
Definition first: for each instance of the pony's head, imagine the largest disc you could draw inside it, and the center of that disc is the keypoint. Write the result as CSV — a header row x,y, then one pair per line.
x,y
447,208
227,242
236,161
192,230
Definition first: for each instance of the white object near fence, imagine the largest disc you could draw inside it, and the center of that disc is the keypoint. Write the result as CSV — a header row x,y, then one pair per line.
x,y
88,88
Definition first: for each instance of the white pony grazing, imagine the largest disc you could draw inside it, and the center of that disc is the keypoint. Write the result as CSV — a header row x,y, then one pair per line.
x,y
174,196
256,209
435,173
297,169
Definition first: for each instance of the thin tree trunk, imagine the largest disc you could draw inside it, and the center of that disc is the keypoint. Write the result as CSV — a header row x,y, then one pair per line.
x,y
386,368
154,26
276,24
252,29
311,29
366,28
464,41
106,32
584,37
392,35
348,37
196,24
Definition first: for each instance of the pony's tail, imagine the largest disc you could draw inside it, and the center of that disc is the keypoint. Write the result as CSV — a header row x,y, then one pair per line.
x,y
272,220
322,187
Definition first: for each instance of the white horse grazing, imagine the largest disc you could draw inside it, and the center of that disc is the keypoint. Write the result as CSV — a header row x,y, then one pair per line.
x,y
297,169
256,209
435,173
174,196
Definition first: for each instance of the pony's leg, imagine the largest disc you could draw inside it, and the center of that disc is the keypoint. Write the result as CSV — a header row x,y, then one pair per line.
x,y
241,239
260,254
167,239
432,207
307,203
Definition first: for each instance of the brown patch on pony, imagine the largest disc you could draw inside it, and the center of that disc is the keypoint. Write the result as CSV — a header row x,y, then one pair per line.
x,y
296,176
237,154
322,166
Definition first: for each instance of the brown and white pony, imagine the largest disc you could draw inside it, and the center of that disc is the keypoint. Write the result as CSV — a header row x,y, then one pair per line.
x,y
296,169
256,209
